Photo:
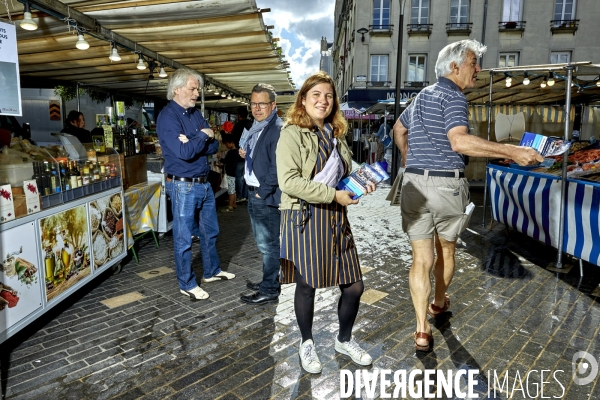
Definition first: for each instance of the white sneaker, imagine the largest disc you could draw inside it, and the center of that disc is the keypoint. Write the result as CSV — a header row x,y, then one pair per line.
x,y
196,293
353,350
221,276
308,357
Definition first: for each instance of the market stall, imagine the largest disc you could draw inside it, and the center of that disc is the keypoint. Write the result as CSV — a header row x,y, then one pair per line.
x,y
555,203
64,230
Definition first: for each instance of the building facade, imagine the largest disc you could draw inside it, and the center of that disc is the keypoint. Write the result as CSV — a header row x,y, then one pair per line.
x,y
326,62
516,32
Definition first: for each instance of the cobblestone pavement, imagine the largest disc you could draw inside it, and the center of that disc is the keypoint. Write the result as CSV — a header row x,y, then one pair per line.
x,y
509,317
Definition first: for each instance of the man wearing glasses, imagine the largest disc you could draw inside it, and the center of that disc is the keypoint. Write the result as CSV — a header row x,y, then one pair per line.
x,y
258,146
186,141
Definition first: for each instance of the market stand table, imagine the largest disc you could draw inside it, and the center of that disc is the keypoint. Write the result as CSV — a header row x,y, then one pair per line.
x,y
141,210
530,203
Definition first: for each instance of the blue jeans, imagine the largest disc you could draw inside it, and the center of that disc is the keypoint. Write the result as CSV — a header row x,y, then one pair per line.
x,y
240,183
265,227
194,213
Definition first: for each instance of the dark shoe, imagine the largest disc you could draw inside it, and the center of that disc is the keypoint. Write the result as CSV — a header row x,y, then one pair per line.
x,y
260,298
253,286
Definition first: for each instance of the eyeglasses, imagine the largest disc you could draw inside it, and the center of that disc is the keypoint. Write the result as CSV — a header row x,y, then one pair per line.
x,y
262,106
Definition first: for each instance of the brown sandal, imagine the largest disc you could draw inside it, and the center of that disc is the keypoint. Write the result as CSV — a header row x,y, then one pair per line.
x,y
426,336
435,311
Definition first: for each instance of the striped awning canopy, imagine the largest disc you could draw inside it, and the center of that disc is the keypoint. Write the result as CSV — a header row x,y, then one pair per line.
x,y
225,40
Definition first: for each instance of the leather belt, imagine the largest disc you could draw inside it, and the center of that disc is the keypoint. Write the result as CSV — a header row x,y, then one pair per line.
x,y
445,174
253,188
200,179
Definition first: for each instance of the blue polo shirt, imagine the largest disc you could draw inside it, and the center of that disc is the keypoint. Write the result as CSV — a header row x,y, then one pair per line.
x,y
436,109
188,160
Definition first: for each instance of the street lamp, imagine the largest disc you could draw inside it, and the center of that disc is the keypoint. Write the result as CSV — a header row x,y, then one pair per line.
x,y
362,31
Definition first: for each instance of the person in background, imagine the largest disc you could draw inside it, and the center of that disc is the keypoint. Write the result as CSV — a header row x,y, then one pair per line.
x,y
317,246
75,125
186,142
230,162
433,137
264,195
238,129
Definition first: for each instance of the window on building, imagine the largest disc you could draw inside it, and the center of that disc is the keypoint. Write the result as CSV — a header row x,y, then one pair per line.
x,y
511,10
564,10
417,67
419,12
559,57
379,68
508,60
381,14
459,11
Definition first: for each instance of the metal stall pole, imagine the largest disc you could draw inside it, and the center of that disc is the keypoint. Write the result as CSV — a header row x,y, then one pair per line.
x,y
77,92
202,98
359,147
396,157
558,266
488,138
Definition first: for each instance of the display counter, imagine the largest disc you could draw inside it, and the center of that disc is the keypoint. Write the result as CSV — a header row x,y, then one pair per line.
x,y
48,254
530,203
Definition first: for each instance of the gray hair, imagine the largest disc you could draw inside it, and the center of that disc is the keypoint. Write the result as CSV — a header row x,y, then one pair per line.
x,y
265,88
456,53
179,79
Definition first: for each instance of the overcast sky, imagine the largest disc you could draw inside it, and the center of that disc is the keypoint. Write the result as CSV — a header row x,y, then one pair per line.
x,y
299,25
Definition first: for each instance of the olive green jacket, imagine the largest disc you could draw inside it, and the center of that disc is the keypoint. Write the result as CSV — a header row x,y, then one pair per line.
x,y
296,156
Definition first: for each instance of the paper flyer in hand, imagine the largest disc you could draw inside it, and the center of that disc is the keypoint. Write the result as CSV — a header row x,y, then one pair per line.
x,y
358,180
545,145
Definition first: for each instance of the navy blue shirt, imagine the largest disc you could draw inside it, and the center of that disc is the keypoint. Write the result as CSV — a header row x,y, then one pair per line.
x,y
433,113
188,160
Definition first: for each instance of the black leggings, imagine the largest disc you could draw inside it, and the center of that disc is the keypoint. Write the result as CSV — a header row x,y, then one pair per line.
x,y
304,307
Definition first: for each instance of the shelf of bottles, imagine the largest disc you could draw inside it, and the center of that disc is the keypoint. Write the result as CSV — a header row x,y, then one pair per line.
x,y
60,180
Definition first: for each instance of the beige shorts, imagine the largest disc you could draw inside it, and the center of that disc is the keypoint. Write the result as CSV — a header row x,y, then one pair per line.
x,y
431,204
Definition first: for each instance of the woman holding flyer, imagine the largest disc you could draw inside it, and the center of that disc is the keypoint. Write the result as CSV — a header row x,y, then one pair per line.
x,y
317,246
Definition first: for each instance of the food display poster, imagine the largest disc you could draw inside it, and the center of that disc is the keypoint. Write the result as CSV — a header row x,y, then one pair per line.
x,y
106,225
7,205
20,275
10,84
65,238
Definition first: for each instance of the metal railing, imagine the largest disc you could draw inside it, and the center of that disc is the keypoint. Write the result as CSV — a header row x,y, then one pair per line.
x,y
564,25
381,28
419,28
379,83
416,83
511,25
459,26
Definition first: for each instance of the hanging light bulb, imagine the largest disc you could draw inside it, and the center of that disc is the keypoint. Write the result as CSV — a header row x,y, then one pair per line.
x,y
82,44
229,96
543,84
223,94
27,23
526,80
508,83
216,91
508,80
140,64
114,54
209,88
551,79
598,83
162,73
